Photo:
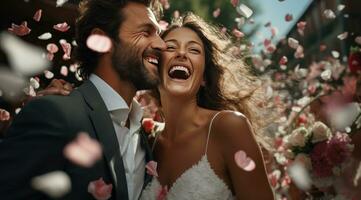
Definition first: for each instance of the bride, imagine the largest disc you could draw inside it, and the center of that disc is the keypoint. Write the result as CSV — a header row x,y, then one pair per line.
x,y
196,152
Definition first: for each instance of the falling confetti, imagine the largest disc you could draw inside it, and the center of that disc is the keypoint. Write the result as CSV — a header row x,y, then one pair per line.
x,y
66,48
62,27
288,17
64,71
293,43
34,83
52,48
4,115
340,7
83,150
45,36
24,58
20,30
60,3
48,74
100,190
244,11
243,161
163,25
216,12
99,43
300,176
342,36
237,33
329,14
37,15
55,184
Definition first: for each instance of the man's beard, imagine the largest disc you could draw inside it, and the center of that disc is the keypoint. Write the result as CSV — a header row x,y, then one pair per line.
x,y
128,62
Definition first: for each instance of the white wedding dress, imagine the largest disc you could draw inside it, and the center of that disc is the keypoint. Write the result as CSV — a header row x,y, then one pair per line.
x,y
197,183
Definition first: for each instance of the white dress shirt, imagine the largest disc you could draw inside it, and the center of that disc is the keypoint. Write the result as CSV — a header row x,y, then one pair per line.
x,y
129,142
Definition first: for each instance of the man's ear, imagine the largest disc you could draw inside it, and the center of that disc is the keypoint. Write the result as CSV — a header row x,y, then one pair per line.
x,y
97,31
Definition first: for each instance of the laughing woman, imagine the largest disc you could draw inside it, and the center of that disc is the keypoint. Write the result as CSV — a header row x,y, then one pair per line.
x,y
202,88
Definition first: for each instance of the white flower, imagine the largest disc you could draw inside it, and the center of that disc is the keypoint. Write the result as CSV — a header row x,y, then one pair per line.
x,y
305,160
320,132
298,137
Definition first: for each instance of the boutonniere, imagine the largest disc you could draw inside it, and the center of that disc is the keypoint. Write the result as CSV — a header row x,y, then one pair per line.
x,y
100,190
151,127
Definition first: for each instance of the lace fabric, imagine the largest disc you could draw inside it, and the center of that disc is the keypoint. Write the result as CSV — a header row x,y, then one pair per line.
x,y
198,182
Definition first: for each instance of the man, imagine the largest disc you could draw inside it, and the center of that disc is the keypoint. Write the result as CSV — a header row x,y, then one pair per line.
x,y
102,106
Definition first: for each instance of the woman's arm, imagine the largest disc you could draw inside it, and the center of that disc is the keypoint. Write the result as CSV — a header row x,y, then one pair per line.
x,y
235,134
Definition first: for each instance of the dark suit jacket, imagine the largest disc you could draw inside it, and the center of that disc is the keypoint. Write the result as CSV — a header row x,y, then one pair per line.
x,y
34,145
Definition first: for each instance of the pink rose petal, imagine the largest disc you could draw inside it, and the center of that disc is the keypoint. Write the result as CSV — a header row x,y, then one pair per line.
x,y
301,27
329,14
99,43
288,17
237,33
66,48
216,12
83,150
48,74
293,43
4,115
20,30
100,190
163,25
243,161
37,15
151,167
64,71
62,27
52,48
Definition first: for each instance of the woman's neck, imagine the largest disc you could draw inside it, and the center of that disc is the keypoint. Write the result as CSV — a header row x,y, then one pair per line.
x,y
180,115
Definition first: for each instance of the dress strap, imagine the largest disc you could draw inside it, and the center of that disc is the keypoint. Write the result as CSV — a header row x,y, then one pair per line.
x,y
209,129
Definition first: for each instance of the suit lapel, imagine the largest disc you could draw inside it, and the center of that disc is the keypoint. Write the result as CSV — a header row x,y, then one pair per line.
x,y
105,132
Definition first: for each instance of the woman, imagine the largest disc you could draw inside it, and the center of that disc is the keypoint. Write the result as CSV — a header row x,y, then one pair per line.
x,y
195,153
201,83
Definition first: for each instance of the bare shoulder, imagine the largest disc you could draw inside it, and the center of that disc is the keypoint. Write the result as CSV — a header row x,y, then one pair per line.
x,y
230,122
232,128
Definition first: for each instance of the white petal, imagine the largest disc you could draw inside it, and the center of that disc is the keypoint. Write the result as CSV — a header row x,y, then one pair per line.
x,y
55,184
24,58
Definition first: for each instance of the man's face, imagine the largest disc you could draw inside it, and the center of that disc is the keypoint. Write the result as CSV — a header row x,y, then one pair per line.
x,y
137,55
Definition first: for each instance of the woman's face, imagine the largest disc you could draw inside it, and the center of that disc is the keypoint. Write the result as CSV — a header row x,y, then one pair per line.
x,y
183,63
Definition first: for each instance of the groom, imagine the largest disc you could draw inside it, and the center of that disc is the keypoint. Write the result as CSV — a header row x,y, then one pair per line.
x,y
102,106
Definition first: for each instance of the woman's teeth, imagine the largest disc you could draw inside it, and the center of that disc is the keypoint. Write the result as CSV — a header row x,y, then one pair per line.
x,y
179,72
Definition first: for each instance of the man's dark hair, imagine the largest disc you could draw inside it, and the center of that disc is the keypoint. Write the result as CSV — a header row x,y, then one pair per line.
x,y
107,16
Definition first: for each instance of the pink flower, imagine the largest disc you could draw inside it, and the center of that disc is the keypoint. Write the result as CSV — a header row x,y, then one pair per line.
x,y
20,30
234,2
338,148
148,125
320,164
237,33
151,167
274,177
162,193
100,190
